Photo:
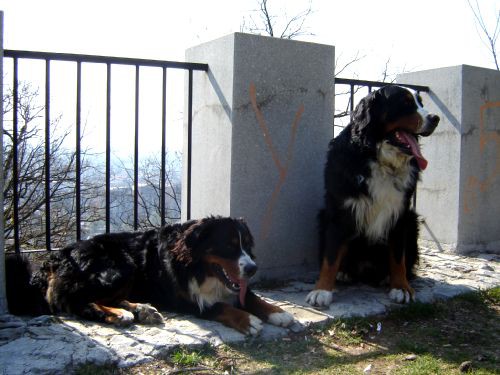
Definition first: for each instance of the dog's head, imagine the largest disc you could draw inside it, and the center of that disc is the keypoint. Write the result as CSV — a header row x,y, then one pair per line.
x,y
223,247
396,115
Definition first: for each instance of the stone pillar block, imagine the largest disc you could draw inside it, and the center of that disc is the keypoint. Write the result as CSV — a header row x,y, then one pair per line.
x,y
262,120
459,196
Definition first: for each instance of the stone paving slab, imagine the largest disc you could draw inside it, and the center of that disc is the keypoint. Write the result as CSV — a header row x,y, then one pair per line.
x,y
56,345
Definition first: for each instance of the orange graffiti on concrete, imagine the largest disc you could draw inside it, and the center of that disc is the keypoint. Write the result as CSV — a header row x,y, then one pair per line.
x,y
474,185
281,166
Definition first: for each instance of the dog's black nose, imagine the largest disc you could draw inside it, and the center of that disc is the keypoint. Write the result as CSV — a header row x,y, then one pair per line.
x,y
250,269
434,119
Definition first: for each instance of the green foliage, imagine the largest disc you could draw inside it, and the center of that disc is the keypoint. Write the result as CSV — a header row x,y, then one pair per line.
x,y
185,358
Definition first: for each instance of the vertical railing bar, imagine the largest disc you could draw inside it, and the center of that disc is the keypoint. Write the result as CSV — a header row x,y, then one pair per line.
x,y
352,98
136,151
163,147
108,145
15,169
78,150
189,143
47,156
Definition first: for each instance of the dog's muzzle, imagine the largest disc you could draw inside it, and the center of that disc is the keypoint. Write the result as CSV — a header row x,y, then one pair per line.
x,y
430,124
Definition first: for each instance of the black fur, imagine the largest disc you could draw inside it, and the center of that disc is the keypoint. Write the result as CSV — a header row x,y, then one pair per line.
x,y
153,267
351,155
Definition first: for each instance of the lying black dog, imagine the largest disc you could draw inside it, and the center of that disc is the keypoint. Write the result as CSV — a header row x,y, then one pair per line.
x,y
200,267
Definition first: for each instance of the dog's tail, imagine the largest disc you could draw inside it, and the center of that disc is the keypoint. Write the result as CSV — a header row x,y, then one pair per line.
x,y
23,297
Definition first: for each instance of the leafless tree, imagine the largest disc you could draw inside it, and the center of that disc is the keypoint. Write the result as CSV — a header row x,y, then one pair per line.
x,y
264,21
488,35
31,176
150,193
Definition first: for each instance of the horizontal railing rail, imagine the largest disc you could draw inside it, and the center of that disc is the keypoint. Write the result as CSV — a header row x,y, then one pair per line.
x,y
103,59
371,84
356,83
109,61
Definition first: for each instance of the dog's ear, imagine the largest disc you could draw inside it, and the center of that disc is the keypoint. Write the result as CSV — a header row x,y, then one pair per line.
x,y
366,117
185,249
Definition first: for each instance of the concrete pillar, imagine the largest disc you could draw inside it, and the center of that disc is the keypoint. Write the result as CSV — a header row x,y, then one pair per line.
x,y
3,299
262,121
459,196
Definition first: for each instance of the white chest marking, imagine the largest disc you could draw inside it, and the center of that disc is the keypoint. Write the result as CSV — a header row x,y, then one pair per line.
x,y
377,212
209,292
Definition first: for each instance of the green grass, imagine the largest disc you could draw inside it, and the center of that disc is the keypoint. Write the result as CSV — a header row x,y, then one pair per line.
x,y
438,337
184,358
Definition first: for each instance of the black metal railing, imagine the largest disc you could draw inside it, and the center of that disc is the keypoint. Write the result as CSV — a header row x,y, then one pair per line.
x,y
16,55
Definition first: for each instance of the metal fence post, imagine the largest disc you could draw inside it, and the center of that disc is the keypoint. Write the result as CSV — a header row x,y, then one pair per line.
x,y
3,299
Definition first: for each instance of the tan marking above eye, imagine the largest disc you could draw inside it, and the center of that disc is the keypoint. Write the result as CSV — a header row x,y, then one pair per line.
x,y
235,241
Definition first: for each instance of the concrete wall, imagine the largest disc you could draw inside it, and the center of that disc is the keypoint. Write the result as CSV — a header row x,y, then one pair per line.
x,y
459,196
3,300
262,120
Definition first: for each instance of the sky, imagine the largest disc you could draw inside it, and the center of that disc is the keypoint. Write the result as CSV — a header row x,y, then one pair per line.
x,y
416,35
409,35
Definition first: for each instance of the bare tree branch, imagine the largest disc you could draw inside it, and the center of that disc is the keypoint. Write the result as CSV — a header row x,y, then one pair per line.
x,y
150,193
31,179
267,23
485,32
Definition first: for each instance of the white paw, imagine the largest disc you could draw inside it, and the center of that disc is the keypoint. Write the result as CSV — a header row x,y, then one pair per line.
x,y
127,317
281,319
319,298
147,314
255,326
401,296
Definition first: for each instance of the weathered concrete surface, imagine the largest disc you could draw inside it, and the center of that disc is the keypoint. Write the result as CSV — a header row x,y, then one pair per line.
x,y
459,195
48,345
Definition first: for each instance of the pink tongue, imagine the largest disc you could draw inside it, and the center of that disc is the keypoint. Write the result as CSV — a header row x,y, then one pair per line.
x,y
415,149
243,291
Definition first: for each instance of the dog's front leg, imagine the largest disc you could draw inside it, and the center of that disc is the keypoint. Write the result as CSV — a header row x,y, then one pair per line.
x,y
267,312
335,250
233,317
401,291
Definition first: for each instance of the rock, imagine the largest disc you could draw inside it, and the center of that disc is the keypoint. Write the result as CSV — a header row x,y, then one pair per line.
x,y
9,334
410,357
297,327
465,366
486,267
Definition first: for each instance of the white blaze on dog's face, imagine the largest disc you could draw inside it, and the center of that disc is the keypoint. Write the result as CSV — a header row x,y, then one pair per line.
x,y
420,106
246,264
